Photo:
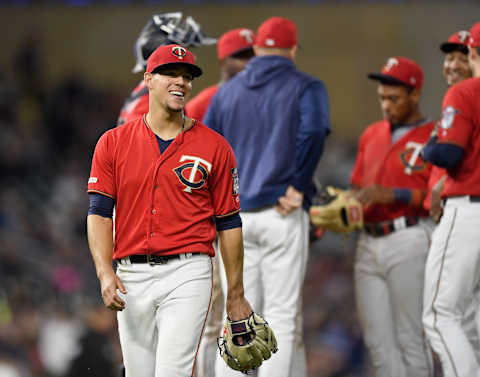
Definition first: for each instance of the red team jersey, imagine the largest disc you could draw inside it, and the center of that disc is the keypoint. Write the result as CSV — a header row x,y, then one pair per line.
x,y
165,202
135,105
397,165
197,107
460,125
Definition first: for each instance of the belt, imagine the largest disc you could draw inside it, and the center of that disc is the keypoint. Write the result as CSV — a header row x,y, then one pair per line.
x,y
153,259
470,198
387,227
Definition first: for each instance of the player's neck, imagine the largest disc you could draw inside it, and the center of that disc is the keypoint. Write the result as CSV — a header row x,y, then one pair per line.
x,y
166,125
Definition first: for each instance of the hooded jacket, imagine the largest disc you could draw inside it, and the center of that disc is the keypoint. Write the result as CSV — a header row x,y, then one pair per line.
x,y
276,119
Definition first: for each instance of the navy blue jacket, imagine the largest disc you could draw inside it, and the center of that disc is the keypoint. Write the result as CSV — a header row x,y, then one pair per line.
x,y
276,119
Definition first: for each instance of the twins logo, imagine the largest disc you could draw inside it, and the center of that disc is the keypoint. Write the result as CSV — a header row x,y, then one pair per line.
x,y
391,62
247,35
179,52
410,156
193,174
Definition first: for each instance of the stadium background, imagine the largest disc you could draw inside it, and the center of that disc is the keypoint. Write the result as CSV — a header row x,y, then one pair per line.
x,y
65,69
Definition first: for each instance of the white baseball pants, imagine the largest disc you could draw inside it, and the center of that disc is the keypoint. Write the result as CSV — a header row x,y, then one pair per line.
x,y
451,282
389,277
164,316
276,252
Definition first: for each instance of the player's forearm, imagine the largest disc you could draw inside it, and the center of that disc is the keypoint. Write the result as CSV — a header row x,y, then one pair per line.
x,y
100,240
231,247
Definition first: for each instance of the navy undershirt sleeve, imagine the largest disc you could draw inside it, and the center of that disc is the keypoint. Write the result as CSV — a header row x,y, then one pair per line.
x,y
101,205
228,222
444,155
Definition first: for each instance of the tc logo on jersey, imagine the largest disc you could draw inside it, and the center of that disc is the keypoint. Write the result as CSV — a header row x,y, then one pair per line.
x,y
193,174
179,52
448,115
410,156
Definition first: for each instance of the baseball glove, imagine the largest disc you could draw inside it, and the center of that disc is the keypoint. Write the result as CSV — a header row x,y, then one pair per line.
x,y
341,213
246,343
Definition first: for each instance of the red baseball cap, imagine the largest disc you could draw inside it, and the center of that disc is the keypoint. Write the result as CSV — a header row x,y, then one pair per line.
x,y
474,40
172,54
277,32
234,41
457,42
400,70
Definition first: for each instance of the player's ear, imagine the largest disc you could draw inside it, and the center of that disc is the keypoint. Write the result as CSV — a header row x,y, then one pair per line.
x,y
415,95
147,77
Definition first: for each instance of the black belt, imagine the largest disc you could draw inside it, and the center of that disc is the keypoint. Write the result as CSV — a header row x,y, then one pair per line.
x,y
154,258
387,227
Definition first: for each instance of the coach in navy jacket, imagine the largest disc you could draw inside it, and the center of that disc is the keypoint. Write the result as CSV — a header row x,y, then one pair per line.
x,y
276,118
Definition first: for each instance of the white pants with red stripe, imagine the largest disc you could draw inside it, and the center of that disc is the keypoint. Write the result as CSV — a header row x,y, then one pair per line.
x,y
389,278
276,252
164,317
451,285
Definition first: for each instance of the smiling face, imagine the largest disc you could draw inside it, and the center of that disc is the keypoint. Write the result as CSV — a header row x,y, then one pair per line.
x,y
456,68
170,86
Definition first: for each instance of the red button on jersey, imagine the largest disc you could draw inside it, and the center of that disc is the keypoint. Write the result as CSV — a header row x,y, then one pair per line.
x,y
165,202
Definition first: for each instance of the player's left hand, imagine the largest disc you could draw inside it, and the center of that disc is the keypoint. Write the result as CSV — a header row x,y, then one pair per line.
x,y
436,209
289,202
374,194
238,308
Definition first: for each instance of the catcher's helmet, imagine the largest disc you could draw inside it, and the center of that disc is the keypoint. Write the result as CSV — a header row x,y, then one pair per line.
x,y
164,29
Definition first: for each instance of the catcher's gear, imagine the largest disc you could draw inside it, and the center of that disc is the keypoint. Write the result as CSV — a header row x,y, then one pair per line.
x,y
341,213
167,28
246,343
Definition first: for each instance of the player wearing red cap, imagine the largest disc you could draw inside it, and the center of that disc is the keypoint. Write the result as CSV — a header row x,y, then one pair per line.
x,y
453,265
276,118
390,180
162,29
455,70
234,50
166,175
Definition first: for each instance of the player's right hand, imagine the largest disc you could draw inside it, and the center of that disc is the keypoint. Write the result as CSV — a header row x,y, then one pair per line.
x,y
109,286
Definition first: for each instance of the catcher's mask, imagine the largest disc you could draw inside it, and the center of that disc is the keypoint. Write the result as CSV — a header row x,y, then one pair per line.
x,y
165,29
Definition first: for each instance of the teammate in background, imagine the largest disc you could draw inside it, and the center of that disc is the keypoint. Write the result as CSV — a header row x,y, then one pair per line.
x,y
276,118
167,174
452,271
390,179
234,50
161,29
455,70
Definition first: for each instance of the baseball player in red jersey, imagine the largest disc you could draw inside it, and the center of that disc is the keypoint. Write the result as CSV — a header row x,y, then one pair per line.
x,y
455,70
161,29
390,179
166,175
234,50
452,270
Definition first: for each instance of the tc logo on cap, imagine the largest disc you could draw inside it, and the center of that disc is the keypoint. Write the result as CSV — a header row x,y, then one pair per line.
x,y
463,36
179,52
247,35
392,62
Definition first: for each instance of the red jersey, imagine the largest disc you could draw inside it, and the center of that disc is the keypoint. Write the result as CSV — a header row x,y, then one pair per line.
x,y
397,165
165,201
197,107
135,105
460,125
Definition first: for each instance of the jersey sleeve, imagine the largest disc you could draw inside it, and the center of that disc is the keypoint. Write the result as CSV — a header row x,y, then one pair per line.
x,y
225,184
455,124
102,175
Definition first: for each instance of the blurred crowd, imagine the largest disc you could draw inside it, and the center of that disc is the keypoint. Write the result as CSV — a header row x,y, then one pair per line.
x,y
52,320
